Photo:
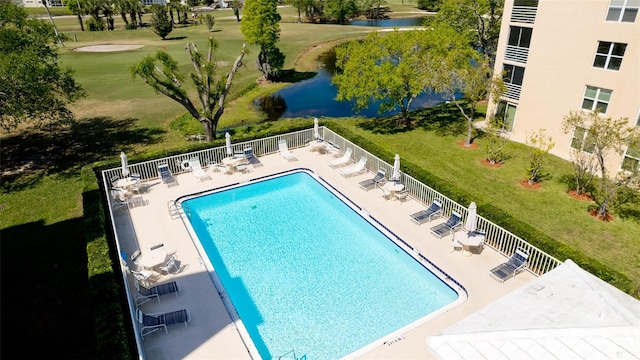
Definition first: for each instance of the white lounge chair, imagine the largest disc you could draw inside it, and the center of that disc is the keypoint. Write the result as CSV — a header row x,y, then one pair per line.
x,y
355,169
197,170
283,149
341,161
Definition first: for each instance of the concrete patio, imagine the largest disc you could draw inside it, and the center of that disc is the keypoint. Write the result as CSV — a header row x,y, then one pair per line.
x,y
211,332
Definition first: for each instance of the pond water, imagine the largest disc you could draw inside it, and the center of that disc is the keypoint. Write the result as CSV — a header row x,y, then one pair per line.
x,y
409,21
316,97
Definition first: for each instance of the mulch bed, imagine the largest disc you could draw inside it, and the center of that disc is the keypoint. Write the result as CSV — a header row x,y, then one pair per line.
x,y
581,197
486,162
471,146
594,213
525,184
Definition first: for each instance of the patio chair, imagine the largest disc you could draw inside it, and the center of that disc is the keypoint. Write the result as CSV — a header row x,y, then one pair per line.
x,y
377,180
516,263
114,180
153,322
147,294
165,175
169,265
402,195
423,216
283,149
341,161
143,275
355,169
197,170
453,223
250,157
385,193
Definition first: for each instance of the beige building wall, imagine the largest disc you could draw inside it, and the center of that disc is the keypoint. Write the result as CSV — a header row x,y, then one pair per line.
x,y
563,46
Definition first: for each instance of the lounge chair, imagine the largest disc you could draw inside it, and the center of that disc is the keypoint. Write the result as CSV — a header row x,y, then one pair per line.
x,y
250,157
166,176
377,180
454,222
197,170
147,294
151,323
283,149
509,269
343,160
355,169
423,216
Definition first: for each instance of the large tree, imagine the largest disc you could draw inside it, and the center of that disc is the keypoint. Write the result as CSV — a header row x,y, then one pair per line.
x,y
160,22
481,18
261,26
76,8
341,11
603,137
391,68
162,74
33,88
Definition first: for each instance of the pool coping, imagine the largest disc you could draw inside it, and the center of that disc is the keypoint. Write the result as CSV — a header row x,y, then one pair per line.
x,y
414,253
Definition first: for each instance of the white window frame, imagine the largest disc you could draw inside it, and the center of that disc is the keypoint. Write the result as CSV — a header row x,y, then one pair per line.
x,y
609,55
624,6
635,158
596,100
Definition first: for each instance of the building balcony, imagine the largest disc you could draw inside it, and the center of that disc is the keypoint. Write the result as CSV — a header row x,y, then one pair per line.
x,y
524,14
516,54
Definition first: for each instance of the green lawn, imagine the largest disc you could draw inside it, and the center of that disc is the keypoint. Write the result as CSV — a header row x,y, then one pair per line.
x,y
52,234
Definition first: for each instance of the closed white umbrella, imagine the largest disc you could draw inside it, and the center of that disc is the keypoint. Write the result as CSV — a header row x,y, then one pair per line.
x,y
472,219
228,139
316,131
396,168
125,164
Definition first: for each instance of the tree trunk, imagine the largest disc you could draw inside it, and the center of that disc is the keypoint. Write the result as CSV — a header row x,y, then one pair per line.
x,y
134,23
80,22
209,128
124,18
602,210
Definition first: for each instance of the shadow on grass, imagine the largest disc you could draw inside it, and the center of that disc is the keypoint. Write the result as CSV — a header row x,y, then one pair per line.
x,y
27,157
445,120
387,125
46,302
175,37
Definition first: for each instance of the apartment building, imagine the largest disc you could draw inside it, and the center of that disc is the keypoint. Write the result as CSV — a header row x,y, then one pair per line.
x,y
559,56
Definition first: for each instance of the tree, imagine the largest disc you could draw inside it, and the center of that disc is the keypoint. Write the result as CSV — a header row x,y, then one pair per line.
x,y
260,26
162,74
481,18
340,11
298,4
540,144
160,22
210,21
236,5
33,88
603,137
584,170
461,70
76,8
496,140
393,69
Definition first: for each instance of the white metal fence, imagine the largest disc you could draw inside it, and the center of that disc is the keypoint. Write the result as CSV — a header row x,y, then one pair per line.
x,y
497,237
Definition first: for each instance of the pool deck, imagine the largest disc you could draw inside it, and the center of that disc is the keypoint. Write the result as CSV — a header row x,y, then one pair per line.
x,y
212,335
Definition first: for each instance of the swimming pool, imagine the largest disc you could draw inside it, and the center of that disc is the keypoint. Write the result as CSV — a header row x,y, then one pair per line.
x,y
306,273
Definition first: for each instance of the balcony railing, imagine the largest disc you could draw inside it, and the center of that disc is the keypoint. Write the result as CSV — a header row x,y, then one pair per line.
x,y
513,91
517,54
524,14
497,237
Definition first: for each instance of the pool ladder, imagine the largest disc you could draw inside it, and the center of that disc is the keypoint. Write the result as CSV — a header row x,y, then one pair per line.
x,y
174,211
291,355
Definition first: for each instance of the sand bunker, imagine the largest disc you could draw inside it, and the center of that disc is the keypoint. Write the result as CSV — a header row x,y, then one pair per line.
x,y
108,48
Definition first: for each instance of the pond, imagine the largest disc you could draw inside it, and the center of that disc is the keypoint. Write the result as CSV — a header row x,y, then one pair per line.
x,y
316,97
408,21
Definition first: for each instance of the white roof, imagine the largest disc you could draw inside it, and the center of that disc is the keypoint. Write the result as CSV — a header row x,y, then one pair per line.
x,y
566,313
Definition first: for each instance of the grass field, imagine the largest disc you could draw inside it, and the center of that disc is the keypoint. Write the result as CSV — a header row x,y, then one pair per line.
x,y
49,246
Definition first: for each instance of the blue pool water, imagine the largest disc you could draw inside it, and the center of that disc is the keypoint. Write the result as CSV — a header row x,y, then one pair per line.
x,y
305,272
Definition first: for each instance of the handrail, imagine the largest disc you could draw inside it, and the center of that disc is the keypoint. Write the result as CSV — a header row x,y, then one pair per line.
x,y
497,237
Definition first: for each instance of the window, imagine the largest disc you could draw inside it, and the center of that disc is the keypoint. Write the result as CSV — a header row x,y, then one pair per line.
x,y
513,74
609,55
531,3
506,115
623,10
581,140
520,36
596,99
631,160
